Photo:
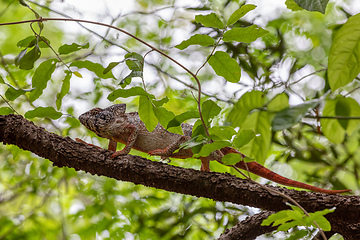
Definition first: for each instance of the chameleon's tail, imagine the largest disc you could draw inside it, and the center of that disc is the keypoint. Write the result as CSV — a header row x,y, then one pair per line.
x,y
262,171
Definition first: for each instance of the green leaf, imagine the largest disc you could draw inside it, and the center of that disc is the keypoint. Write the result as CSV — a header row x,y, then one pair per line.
x,y
291,4
125,93
344,56
43,112
130,76
160,102
221,133
313,5
110,67
290,116
13,93
66,49
247,102
258,147
211,147
6,111
246,35
278,103
64,89
41,77
197,39
243,138
134,61
210,20
342,108
231,159
209,109
165,116
331,128
225,66
146,113
25,60
27,42
176,121
239,13
94,67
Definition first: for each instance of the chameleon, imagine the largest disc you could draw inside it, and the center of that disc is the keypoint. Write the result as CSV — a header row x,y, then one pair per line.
x,y
127,128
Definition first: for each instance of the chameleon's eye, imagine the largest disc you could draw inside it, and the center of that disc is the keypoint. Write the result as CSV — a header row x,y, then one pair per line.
x,y
102,116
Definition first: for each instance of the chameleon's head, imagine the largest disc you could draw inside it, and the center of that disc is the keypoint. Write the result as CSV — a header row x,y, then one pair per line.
x,y
98,119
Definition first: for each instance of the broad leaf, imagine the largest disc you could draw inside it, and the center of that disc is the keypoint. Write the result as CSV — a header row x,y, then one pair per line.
x,y
313,5
165,116
146,113
258,147
110,66
331,128
243,138
278,103
239,13
27,42
43,112
209,109
292,115
344,56
41,77
125,93
247,34
231,159
66,49
197,39
94,67
176,121
225,66
13,93
210,20
247,102
134,61
222,133
5,110
291,4
211,147
25,60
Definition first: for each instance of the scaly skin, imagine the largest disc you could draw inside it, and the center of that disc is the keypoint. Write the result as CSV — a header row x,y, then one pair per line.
x,y
127,128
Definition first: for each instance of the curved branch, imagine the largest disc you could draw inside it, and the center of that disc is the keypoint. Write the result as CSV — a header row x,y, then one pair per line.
x,y
65,152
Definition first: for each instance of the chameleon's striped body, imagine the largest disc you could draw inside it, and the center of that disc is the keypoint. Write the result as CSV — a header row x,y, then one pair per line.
x,y
127,128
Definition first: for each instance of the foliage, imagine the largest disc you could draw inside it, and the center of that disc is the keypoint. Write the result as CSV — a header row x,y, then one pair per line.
x,y
278,102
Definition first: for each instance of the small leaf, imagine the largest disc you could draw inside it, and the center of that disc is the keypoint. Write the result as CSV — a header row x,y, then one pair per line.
x,y
110,67
176,121
76,73
225,66
243,138
134,61
221,133
146,113
130,76
344,63
291,4
209,110
41,77
197,39
239,13
13,93
43,112
210,20
331,128
231,159
342,108
125,93
292,115
25,60
246,35
211,147
313,5
64,89
94,67
27,42
160,102
6,111
66,49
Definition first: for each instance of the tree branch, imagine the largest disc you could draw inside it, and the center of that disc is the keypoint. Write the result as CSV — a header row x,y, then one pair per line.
x,y
65,152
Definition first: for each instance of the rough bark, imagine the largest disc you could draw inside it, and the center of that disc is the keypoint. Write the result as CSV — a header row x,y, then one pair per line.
x,y
65,152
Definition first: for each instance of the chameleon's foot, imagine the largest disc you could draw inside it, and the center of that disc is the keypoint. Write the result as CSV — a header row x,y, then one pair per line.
x,y
159,152
166,159
205,165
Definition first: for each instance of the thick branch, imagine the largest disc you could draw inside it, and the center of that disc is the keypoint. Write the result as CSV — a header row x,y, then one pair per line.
x,y
65,152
